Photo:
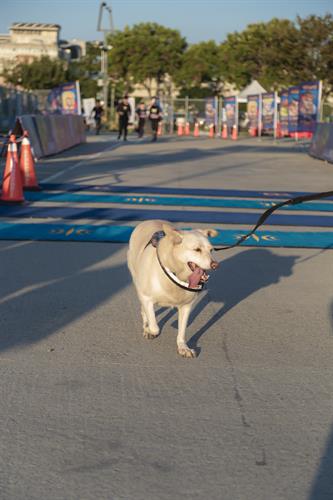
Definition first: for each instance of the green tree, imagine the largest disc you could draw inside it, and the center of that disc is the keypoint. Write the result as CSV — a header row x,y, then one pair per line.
x,y
43,73
202,70
146,53
315,49
86,70
266,52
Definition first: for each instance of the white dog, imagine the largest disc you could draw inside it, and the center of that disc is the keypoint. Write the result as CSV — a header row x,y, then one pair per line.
x,y
168,268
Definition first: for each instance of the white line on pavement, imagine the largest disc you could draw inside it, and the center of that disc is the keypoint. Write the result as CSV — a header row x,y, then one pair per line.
x,y
81,162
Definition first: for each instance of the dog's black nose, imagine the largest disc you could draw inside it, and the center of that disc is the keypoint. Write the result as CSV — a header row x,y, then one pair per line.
x,y
214,265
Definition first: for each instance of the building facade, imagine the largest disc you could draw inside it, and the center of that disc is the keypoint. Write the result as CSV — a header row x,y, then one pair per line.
x,y
29,41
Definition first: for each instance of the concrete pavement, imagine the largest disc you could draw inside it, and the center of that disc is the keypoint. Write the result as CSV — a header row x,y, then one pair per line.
x,y
92,410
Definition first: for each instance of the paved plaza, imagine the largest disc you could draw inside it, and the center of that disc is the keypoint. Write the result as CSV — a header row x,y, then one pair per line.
x,y
90,410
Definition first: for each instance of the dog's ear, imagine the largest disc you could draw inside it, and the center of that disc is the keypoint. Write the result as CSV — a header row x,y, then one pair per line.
x,y
175,236
209,233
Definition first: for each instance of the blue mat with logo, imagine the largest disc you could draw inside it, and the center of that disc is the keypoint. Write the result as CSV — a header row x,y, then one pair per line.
x,y
121,234
173,201
127,214
235,193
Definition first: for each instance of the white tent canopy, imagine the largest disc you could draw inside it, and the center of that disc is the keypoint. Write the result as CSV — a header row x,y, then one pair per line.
x,y
253,88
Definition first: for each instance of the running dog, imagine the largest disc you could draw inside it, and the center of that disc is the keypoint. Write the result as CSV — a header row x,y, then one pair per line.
x,y
168,268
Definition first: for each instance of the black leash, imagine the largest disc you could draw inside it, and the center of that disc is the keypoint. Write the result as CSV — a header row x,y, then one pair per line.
x,y
267,213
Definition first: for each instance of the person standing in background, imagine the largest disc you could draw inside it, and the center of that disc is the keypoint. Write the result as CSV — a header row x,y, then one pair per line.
x,y
141,114
155,116
124,112
98,112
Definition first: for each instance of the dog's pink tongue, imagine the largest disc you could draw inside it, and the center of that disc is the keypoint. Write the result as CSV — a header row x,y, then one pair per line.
x,y
195,277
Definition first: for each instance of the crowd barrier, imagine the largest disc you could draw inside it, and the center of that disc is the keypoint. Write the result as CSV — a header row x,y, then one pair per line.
x,y
322,142
51,134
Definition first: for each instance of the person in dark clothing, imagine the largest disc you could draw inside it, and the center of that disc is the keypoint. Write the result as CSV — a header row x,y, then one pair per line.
x,y
98,112
141,114
124,112
155,116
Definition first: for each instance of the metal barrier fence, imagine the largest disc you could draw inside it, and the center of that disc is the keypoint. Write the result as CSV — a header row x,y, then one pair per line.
x,y
180,111
14,103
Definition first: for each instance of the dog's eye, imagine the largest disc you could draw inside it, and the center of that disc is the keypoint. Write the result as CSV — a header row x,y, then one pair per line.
x,y
197,249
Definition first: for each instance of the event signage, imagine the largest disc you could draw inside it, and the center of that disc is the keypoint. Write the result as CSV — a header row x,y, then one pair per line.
x,y
268,117
253,111
211,111
309,106
231,111
284,117
65,99
293,107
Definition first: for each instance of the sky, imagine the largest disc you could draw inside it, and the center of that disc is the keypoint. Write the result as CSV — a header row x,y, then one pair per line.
x,y
197,20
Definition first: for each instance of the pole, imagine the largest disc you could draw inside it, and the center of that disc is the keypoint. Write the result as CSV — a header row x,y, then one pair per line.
x,y
275,118
186,109
105,77
106,31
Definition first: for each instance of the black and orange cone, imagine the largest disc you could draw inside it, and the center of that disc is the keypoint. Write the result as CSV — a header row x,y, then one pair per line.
x,y
27,166
12,189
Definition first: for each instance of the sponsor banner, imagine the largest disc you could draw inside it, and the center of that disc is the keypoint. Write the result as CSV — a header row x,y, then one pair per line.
x,y
309,106
211,111
52,134
40,122
284,116
65,99
253,107
231,111
293,109
322,142
27,122
88,105
268,110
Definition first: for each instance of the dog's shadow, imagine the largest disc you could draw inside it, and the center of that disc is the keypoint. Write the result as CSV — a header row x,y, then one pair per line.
x,y
236,279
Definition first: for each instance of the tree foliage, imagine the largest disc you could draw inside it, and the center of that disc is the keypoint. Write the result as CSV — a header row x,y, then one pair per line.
x,y
278,53
43,73
86,70
146,53
202,66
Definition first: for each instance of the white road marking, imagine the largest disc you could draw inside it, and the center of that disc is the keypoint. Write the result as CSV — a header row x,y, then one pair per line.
x,y
78,164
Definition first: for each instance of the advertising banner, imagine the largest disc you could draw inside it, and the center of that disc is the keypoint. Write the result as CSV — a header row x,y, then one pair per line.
x,y
284,116
322,142
231,111
253,108
309,106
268,116
211,112
293,109
65,99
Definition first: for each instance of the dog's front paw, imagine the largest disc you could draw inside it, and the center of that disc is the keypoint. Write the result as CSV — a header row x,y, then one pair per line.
x,y
186,352
148,334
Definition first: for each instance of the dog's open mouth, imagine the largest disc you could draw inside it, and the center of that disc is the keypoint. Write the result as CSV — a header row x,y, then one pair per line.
x,y
198,275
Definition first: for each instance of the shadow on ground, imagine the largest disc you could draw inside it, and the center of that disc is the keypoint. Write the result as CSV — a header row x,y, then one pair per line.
x,y
46,286
322,487
236,279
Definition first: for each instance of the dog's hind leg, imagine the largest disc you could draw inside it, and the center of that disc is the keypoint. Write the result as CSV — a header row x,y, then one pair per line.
x,y
182,347
150,326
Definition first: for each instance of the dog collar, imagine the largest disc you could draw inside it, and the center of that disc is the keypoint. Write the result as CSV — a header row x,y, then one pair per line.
x,y
154,241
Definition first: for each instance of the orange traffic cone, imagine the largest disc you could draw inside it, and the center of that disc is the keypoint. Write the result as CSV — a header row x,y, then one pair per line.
x,y
159,130
253,132
211,130
180,129
12,190
196,130
279,134
234,133
27,166
224,134
187,128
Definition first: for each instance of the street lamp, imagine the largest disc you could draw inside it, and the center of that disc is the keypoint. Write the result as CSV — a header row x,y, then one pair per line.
x,y
105,48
